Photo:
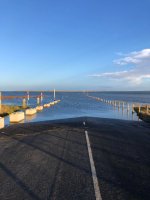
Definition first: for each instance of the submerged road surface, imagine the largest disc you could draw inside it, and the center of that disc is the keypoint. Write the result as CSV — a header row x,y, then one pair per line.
x,y
82,158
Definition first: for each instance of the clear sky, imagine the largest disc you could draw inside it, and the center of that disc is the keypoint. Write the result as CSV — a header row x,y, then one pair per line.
x,y
75,44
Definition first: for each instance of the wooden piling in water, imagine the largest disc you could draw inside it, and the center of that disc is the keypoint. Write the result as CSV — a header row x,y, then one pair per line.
x,y
38,100
147,109
28,96
128,107
132,108
139,108
122,105
41,96
24,103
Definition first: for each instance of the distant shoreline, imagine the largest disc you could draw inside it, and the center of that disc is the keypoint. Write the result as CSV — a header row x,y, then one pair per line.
x,y
83,91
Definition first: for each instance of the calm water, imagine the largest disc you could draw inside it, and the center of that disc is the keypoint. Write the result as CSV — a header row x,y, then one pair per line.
x,y
78,104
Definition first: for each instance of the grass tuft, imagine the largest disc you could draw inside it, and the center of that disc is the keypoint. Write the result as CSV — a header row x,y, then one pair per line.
x,y
8,109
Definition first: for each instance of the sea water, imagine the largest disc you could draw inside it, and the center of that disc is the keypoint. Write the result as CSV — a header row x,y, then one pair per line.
x,y
78,104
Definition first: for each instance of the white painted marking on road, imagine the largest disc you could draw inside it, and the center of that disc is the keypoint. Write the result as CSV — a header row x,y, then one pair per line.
x,y
84,123
93,170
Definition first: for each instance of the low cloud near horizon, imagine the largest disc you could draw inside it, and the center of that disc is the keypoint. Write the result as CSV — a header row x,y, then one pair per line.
x,y
136,67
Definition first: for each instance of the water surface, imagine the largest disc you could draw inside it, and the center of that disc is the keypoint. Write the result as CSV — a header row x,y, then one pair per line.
x,y
77,104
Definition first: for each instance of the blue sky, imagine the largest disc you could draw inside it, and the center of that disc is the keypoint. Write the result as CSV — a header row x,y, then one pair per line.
x,y
74,44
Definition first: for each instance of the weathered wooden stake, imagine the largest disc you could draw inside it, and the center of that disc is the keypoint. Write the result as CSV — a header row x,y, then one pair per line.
x,y
132,108
122,105
147,109
139,109
24,103
28,96
38,100
128,107
41,96
54,95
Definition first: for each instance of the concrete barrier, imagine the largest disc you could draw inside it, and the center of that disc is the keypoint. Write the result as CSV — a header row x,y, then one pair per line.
x,y
30,111
52,103
1,122
46,105
16,117
39,108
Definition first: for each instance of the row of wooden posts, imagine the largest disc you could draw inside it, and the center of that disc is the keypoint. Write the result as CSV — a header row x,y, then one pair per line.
x,y
123,104
25,98
39,100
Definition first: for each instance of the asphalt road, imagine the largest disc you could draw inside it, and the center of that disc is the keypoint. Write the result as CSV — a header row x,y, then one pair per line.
x,y
50,160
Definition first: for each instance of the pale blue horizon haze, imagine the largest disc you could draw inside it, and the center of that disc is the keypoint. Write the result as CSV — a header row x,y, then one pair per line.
x,y
75,45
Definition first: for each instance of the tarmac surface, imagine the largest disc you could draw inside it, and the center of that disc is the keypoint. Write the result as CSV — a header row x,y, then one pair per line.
x,y
50,160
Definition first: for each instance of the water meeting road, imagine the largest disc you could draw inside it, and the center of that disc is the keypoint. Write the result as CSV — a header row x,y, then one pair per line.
x,y
50,160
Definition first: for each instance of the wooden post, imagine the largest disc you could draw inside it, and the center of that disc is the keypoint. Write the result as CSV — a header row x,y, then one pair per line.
x,y
147,109
132,108
54,95
38,100
128,107
24,103
41,96
132,116
28,96
122,105
139,109
118,105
